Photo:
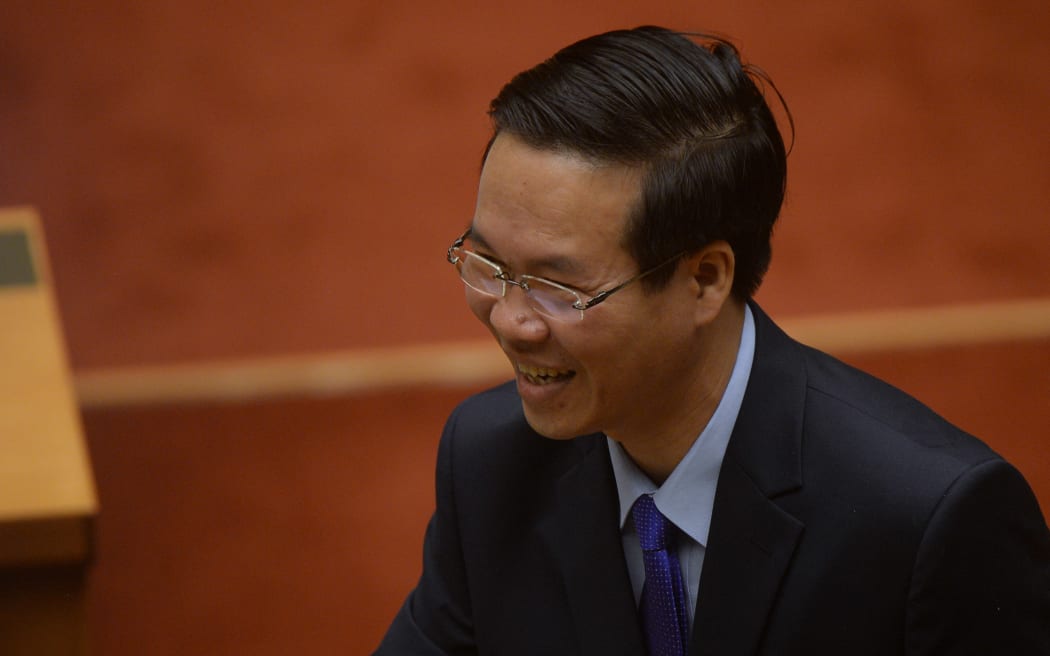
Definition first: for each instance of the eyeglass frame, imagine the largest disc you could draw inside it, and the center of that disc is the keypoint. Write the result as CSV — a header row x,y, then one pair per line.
x,y
522,282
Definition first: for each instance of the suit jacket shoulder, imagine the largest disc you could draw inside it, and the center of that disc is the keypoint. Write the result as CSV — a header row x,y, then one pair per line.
x,y
832,510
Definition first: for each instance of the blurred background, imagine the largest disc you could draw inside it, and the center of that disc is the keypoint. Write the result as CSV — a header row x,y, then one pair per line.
x,y
226,185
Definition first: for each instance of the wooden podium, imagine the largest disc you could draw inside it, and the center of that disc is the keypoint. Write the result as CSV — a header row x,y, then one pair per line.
x,y
47,498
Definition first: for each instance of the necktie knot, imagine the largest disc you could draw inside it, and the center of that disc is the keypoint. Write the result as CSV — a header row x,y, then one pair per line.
x,y
654,530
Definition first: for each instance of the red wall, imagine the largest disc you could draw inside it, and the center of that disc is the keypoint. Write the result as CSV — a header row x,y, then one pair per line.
x,y
238,178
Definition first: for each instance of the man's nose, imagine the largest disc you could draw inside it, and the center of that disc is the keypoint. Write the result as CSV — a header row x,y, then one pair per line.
x,y
513,318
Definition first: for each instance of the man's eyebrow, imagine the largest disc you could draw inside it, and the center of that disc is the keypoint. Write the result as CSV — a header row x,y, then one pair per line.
x,y
556,263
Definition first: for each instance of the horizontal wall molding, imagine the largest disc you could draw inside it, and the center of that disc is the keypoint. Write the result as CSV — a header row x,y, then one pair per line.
x,y
462,364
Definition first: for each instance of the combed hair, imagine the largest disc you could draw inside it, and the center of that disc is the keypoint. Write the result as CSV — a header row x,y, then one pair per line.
x,y
685,109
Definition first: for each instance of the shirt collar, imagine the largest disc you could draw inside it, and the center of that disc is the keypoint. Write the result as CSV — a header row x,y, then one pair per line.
x,y
688,495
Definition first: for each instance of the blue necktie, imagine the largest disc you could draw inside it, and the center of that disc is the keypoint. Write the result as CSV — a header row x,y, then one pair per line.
x,y
665,607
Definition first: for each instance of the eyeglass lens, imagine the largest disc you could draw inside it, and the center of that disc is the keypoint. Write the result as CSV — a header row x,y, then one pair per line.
x,y
544,297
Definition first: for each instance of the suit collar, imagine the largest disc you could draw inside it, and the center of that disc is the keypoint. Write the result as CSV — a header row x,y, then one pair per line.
x,y
752,539
767,439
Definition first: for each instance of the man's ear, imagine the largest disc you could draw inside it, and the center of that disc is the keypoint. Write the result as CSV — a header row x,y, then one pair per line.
x,y
711,269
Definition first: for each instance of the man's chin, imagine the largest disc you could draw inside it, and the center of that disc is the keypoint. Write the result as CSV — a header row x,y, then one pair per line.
x,y
552,427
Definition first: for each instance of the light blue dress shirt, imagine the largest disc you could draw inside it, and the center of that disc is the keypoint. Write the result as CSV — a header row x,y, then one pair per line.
x,y
688,495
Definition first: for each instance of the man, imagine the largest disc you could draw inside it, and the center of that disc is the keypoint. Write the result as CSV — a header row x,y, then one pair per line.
x,y
670,473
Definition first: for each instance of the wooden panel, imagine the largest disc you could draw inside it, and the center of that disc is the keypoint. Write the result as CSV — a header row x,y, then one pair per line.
x,y
47,497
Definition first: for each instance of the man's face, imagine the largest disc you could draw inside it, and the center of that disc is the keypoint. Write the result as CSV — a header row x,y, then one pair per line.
x,y
558,216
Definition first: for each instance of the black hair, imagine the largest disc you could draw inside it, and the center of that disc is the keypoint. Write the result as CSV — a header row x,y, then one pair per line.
x,y
689,113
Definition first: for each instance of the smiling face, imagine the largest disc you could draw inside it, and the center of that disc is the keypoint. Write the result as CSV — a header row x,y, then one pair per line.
x,y
628,368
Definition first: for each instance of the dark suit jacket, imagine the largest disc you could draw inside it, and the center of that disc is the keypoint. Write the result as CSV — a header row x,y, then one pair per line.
x,y
849,519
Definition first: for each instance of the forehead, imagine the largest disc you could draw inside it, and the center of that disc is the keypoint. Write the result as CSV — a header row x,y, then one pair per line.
x,y
557,203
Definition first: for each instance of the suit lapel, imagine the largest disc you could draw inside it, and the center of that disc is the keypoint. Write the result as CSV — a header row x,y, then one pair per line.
x,y
752,539
748,553
582,535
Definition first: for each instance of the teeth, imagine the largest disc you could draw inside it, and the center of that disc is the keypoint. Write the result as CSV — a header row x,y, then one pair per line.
x,y
543,375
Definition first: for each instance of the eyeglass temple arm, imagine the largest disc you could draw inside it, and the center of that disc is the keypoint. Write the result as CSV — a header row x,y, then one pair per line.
x,y
601,296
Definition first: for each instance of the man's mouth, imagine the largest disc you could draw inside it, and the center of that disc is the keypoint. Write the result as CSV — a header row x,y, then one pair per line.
x,y
545,375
